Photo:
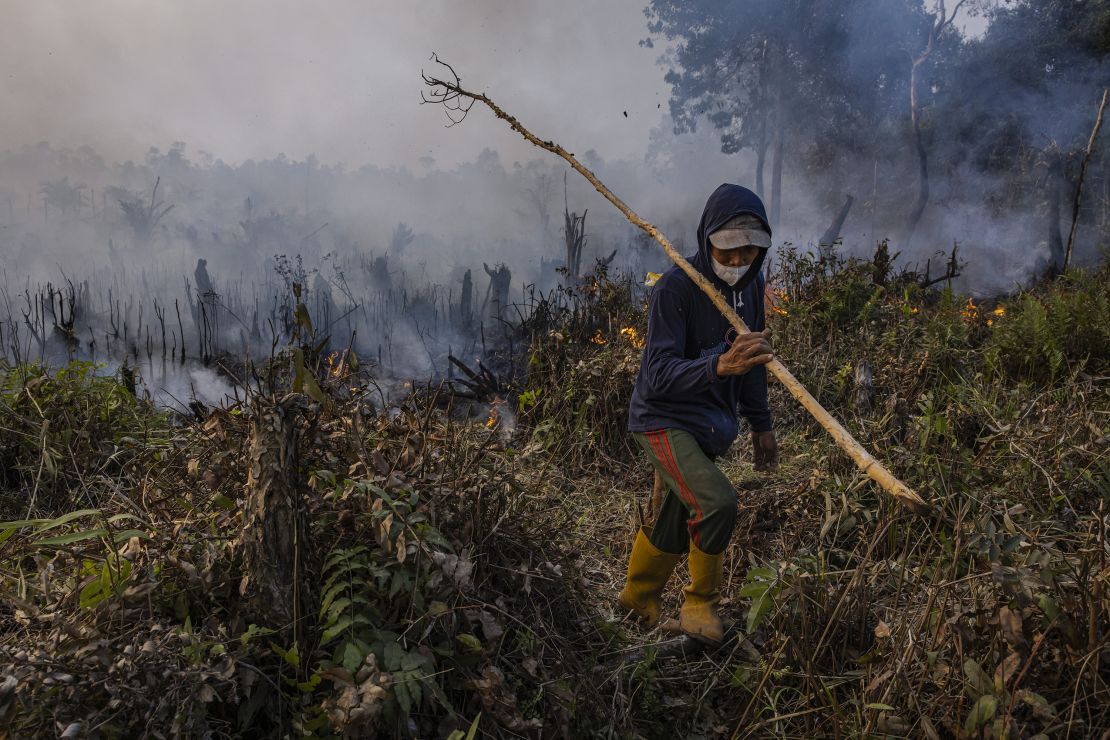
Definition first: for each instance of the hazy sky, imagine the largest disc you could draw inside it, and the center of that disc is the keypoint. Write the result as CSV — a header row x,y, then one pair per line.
x,y
341,78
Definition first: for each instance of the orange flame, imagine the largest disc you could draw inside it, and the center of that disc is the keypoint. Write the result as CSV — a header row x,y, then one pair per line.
x,y
633,337
494,417
970,312
775,299
337,364
598,338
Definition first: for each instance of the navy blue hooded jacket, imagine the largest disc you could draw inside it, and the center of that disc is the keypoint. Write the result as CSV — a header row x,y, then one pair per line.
x,y
678,386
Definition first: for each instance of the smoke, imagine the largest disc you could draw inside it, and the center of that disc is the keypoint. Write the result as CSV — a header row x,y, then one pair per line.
x,y
174,387
113,220
250,79
146,261
1004,113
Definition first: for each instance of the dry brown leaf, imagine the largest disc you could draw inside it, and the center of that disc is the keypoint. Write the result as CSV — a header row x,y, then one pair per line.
x,y
878,681
1010,622
892,724
402,552
1005,670
384,529
380,463
928,728
338,675
138,591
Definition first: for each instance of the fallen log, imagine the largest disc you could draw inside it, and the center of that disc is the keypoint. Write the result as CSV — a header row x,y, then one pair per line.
x,y
458,102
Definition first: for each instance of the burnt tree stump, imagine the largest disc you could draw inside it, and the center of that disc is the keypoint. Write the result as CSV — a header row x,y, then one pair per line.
x,y
865,386
275,538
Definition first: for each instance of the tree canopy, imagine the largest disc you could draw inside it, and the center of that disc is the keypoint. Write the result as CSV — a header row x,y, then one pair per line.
x,y
823,90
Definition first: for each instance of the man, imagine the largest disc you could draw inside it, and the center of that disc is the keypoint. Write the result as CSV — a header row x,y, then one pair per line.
x,y
697,374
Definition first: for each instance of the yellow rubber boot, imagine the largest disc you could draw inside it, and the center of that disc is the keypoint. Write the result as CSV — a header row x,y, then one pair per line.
x,y
649,568
698,617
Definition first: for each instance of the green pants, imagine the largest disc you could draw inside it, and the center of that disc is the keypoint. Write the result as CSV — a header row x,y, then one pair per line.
x,y
700,504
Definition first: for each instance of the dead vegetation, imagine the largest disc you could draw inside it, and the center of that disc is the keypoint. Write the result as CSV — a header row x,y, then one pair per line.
x,y
450,572
432,595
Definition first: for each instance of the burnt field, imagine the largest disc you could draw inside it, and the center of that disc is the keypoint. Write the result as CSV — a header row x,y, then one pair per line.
x,y
435,570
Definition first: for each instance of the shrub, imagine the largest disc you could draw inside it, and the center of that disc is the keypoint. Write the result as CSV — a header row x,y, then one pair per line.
x,y
1053,332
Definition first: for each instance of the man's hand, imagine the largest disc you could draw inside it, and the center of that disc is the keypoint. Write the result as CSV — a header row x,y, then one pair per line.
x,y
765,451
747,351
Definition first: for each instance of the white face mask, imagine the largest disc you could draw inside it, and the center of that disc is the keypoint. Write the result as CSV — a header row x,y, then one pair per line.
x,y
730,275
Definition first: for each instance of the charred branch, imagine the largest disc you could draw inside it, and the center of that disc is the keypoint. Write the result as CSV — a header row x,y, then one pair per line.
x,y
829,238
1077,203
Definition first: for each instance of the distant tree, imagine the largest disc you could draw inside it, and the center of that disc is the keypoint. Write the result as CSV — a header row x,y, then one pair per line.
x,y
203,281
380,277
730,65
822,83
941,22
402,237
538,197
261,232
1021,103
466,301
497,293
144,216
63,195
574,235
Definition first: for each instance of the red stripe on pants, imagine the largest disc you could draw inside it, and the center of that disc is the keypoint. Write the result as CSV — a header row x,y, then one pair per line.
x,y
662,447
661,456
695,531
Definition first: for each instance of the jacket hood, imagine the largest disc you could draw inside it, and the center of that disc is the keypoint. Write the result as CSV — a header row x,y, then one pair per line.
x,y
726,203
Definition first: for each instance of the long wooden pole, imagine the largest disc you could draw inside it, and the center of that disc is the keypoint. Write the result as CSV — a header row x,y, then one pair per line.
x,y
867,463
